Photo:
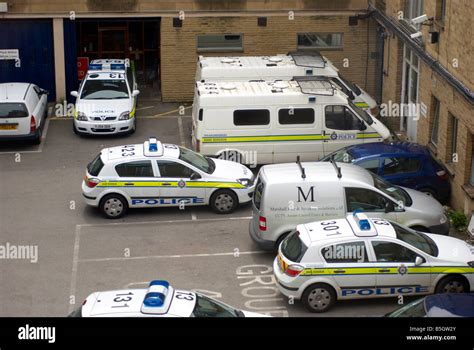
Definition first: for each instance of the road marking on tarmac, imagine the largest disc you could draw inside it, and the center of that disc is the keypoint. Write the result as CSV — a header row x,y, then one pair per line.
x,y
40,147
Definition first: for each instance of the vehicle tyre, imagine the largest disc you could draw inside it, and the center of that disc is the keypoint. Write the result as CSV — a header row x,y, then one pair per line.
x,y
113,206
452,284
224,201
319,297
420,228
37,139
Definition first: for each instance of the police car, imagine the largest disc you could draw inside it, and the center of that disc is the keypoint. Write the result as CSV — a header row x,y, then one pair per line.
x,y
106,100
159,175
361,257
160,299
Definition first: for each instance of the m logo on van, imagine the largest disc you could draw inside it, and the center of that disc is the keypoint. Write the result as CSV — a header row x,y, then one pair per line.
x,y
309,195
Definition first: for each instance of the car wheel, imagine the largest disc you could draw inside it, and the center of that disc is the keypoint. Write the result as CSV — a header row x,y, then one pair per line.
x,y
37,139
113,206
224,201
319,297
452,284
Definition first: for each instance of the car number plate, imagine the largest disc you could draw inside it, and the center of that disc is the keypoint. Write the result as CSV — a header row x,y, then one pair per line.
x,y
8,126
102,126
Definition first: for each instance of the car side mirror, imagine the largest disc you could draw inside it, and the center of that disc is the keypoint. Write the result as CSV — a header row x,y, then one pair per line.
x,y
389,207
74,93
135,93
44,92
351,96
362,125
419,260
195,176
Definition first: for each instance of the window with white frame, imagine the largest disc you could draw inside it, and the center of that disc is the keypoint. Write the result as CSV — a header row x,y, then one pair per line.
x,y
435,121
410,83
413,8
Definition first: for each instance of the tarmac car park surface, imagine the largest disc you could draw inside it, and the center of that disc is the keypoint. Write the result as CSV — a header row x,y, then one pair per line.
x,y
80,252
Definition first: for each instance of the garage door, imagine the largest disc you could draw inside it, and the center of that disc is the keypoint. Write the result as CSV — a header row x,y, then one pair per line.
x,y
34,40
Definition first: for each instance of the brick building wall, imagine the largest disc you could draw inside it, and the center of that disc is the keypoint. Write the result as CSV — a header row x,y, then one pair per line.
x,y
179,55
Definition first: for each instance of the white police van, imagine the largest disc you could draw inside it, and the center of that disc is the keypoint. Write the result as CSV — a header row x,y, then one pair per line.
x,y
160,299
295,193
281,67
276,121
360,257
107,98
153,174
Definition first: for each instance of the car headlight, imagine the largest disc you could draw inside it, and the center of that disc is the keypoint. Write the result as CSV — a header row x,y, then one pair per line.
x,y
443,219
124,116
244,182
81,116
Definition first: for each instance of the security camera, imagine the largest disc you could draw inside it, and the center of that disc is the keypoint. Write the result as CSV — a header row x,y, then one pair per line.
x,y
416,35
419,19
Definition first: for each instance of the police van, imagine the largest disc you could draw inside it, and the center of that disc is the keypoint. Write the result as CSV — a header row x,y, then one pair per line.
x,y
359,257
107,98
154,174
295,193
160,299
275,121
281,67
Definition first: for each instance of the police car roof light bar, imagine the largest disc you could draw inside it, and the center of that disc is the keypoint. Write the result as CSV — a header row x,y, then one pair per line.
x,y
303,174
338,169
117,66
153,144
95,66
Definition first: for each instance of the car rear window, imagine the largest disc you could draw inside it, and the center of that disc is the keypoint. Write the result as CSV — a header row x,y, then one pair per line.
x,y
95,166
293,247
257,196
13,110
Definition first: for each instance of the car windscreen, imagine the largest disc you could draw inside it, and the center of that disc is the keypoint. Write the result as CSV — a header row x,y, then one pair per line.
x,y
397,193
293,247
207,307
343,155
416,239
257,196
361,113
351,85
104,89
13,110
197,160
414,309
94,167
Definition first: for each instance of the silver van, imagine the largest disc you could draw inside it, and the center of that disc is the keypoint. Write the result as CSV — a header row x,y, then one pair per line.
x,y
296,193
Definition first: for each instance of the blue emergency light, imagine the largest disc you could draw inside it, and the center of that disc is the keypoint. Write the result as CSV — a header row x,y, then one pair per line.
x,y
153,145
363,224
157,298
117,66
95,66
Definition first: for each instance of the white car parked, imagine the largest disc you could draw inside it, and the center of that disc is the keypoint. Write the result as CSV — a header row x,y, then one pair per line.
x,y
22,112
160,299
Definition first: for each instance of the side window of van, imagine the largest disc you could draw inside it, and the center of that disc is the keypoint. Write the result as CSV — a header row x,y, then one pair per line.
x,y
251,117
287,116
364,199
341,118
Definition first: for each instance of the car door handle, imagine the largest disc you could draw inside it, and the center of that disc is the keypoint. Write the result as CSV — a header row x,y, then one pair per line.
x,y
128,184
384,270
166,183
339,271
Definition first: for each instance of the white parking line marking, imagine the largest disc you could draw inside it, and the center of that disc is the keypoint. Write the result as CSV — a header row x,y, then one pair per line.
x,y
203,255
169,112
181,132
75,261
146,107
164,221
162,116
40,147
193,216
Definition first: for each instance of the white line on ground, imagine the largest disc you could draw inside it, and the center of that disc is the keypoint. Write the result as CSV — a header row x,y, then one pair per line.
x,y
145,107
163,222
173,256
193,216
75,260
40,147
181,131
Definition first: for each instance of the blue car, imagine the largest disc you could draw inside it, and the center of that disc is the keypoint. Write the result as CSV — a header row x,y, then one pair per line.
x,y
438,305
402,163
